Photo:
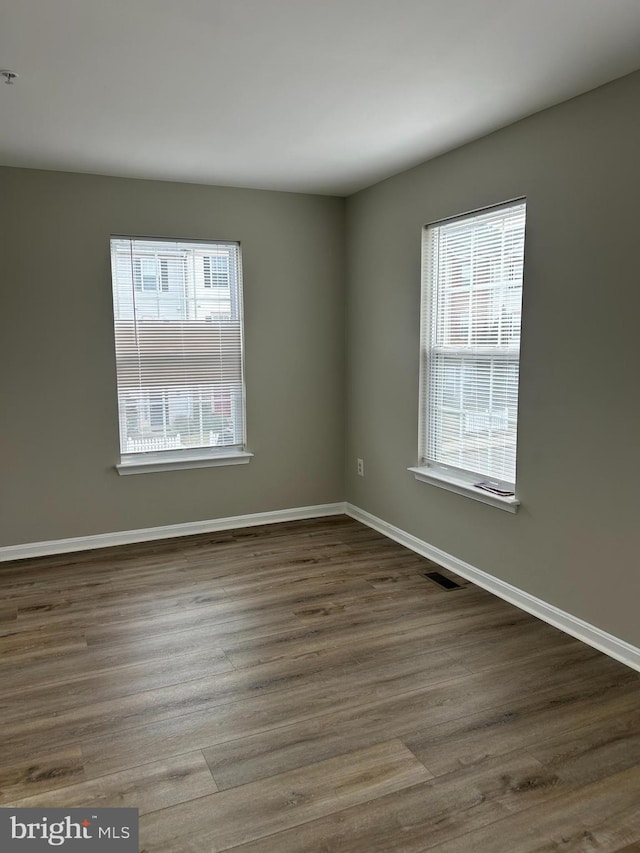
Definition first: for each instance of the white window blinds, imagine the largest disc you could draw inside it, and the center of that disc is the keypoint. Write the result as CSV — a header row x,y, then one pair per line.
x,y
471,307
178,334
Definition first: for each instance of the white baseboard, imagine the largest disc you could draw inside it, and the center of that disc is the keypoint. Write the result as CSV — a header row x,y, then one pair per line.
x,y
169,531
601,640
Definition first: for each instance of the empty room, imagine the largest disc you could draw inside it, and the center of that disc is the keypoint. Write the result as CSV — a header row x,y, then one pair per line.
x,y
320,420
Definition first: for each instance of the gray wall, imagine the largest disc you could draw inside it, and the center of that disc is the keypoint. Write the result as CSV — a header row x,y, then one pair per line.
x,y
575,541
58,417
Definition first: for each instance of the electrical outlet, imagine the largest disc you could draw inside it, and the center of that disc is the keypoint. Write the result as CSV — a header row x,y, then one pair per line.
x,y
360,467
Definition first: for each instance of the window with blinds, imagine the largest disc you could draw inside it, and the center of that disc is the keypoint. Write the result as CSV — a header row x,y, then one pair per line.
x,y
178,334
470,347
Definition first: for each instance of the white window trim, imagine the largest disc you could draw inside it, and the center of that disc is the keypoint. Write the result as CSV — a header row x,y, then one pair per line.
x,y
462,483
176,460
191,457
455,480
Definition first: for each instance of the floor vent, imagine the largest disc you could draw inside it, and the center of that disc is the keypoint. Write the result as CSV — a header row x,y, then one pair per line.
x,y
441,580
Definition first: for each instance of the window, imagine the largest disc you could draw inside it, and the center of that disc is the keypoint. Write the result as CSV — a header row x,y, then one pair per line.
x,y
151,273
470,347
178,354
215,270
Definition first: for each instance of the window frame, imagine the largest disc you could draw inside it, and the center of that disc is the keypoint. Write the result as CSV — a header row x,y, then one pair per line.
x,y
189,457
446,476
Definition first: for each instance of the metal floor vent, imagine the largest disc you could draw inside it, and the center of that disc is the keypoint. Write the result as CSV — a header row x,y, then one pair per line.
x,y
442,581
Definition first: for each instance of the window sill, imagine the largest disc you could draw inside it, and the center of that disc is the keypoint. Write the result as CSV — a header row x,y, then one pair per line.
x,y
457,484
147,463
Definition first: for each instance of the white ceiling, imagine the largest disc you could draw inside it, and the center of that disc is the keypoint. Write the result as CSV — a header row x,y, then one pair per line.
x,y
323,96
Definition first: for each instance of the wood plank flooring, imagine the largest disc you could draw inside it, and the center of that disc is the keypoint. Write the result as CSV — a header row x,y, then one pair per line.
x,y
302,687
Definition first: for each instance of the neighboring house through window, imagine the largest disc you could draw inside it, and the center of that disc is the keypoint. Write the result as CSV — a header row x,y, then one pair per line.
x,y
151,274
179,350
470,350
215,269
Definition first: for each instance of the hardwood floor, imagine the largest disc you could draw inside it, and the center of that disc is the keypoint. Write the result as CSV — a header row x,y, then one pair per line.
x,y
302,687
